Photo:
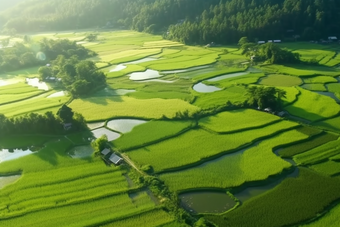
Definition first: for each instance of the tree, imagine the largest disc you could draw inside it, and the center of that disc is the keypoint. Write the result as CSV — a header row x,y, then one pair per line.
x,y
66,114
44,72
91,37
100,144
243,41
265,97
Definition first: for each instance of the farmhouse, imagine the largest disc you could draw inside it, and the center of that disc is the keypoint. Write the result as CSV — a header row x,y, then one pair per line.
x,y
105,151
277,41
67,126
115,159
261,42
332,38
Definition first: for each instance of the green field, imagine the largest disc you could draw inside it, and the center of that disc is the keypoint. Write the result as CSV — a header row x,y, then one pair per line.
x,y
235,120
312,106
195,145
281,80
191,141
254,164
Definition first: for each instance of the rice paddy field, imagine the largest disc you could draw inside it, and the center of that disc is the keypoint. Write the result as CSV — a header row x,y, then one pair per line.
x,y
197,135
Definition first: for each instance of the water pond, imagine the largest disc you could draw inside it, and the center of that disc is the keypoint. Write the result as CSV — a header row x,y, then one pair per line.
x,y
148,74
3,83
95,125
81,151
57,94
206,202
124,125
10,154
203,88
251,192
6,180
34,82
118,68
104,131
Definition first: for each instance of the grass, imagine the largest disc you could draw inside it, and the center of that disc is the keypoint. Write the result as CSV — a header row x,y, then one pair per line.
x,y
195,145
151,132
234,94
56,190
237,120
305,146
320,80
318,154
331,218
313,107
130,107
302,70
314,87
281,80
329,124
254,164
35,104
199,77
334,87
292,201
328,167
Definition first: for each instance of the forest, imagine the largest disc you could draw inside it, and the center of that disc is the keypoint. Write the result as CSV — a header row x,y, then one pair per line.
x,y
187,21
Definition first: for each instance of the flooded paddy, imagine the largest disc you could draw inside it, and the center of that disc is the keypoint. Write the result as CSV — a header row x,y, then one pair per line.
x,y
6,180
11,154
96,125
251,192
118,68
124,125
185,70
203,88
206,202
148,74
34,82
57,94
227,76
104,131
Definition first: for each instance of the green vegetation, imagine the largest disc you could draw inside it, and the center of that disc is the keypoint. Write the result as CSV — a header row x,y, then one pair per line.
x,y
278,207
236,120
329,124
318,154
195,145
130,107
265,97
151,132
314,87
313,107
320,80
254,164
281,80
305,146
329,219
328,167
301,70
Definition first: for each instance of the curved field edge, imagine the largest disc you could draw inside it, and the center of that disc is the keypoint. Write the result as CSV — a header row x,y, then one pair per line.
x,y
253,164
197,146
278,207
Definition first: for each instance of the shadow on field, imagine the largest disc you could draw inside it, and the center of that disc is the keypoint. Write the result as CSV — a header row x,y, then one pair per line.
x,y
312,67
305,116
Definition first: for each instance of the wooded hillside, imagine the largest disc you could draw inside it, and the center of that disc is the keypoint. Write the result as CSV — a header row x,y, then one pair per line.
x,y
188,21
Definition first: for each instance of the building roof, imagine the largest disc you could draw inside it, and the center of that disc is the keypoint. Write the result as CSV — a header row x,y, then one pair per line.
x,y
332,37
115,158
105,151
277,41
261,42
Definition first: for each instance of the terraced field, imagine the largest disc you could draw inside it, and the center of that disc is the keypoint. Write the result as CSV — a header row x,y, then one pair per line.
x,y
190,140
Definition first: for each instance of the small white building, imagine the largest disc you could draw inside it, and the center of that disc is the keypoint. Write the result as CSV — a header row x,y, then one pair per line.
x,y
115,159
261,42
270,41
277,41
105,151
332,38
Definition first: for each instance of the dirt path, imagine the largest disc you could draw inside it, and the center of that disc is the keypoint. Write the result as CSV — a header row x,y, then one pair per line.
x,y
130,162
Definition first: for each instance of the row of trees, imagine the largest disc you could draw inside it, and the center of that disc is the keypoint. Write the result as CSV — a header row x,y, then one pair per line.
x,y
48,123
190,21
